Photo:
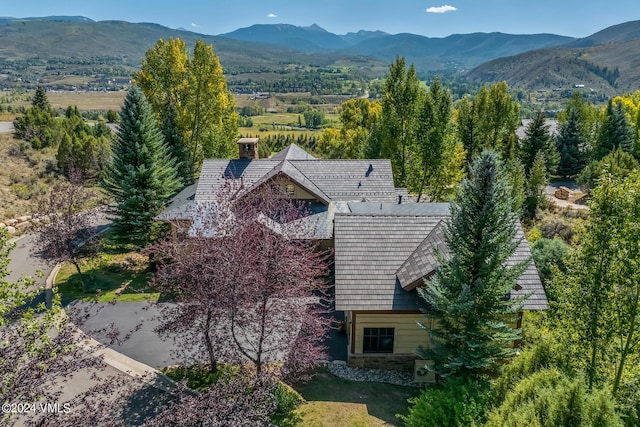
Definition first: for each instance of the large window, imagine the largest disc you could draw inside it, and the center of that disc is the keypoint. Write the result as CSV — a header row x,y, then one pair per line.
x,y
378,340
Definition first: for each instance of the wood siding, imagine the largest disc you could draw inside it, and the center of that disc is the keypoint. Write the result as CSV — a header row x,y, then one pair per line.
x,y
407,336
299,192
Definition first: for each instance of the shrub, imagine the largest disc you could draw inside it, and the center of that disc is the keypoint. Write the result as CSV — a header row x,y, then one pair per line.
x,y
551,398
287,399
549,253
456,403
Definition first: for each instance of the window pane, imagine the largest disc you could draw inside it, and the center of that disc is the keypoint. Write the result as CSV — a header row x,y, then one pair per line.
x,y
378,340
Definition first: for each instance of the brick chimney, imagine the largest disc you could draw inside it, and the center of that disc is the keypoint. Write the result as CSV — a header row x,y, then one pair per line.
x,y
248,148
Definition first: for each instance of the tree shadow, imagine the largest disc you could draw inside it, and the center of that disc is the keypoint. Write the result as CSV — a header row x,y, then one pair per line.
x,y
382,401
147,402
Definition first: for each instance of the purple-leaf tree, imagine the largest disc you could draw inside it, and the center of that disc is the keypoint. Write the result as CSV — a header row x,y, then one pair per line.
x,y
66,232
250,279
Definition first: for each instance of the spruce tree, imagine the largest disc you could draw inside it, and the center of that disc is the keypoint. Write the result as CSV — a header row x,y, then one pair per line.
x,y
571,144
141,175
40,99
538,139
469,295
174,139
536,182
615,131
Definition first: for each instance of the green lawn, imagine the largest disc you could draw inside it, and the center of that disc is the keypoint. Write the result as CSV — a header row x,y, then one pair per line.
x,y
336,402
329,401
116,273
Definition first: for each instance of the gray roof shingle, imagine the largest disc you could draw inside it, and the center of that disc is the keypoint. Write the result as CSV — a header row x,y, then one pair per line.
x,y
292,152
181,206
423,261
338,180
376,254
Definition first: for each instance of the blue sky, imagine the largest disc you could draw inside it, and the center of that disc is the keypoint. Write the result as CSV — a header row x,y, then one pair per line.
x,y
433,18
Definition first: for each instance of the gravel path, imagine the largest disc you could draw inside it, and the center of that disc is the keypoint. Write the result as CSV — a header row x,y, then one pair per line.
x,y
340,369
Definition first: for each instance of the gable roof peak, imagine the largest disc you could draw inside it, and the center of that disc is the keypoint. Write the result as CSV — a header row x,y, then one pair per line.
x,y
292,152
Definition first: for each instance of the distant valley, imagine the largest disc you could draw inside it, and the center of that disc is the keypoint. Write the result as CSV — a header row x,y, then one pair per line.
x,y
61,51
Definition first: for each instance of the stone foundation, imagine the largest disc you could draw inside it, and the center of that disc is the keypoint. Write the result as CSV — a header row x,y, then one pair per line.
x,y
398,362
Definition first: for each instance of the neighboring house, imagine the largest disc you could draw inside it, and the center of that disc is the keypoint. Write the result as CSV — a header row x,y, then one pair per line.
x,y
384,245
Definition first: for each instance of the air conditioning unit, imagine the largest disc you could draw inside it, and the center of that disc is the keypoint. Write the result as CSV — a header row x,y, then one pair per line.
x,y
420,372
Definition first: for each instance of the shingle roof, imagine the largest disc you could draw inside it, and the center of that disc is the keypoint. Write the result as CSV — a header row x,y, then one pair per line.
x,y
404,209
371,180
423,261
181,205
292,152
375,254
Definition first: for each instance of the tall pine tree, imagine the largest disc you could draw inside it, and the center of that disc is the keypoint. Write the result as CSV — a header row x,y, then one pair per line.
x,y
538,139
40,99
141,175
615,131
469,294
571,144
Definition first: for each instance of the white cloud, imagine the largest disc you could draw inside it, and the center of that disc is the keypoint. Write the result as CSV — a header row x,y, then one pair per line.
x,y
442,9
195,25
272,15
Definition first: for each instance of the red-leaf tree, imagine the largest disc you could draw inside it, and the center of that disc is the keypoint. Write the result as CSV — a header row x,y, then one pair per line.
x,y
67,230
249,279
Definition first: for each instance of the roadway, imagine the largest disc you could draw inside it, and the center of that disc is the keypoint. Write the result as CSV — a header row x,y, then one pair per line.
x,y
135,377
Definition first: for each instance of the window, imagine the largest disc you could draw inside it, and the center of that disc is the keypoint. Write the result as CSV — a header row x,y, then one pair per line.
x,y
291,189
378,340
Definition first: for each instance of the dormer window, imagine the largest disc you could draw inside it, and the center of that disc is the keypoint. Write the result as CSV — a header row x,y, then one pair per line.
x,y
291,189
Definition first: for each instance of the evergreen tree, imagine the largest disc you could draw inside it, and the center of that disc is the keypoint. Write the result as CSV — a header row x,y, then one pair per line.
x,y
537,139
615,131
38,125
40,99
536,181
571,144
141,175
174,140
469,294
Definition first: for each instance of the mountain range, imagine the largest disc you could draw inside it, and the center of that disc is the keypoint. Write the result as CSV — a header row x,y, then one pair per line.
x,y
607,61
426,53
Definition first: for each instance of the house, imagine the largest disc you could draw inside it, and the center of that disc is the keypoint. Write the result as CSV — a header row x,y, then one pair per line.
x,y
384,245
324,185
382,254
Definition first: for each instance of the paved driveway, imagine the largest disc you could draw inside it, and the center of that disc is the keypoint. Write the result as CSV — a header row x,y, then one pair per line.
x,y
139,319
6,127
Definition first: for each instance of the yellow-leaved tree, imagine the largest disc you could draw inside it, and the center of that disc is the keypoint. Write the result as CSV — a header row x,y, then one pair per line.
x,y
193,105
